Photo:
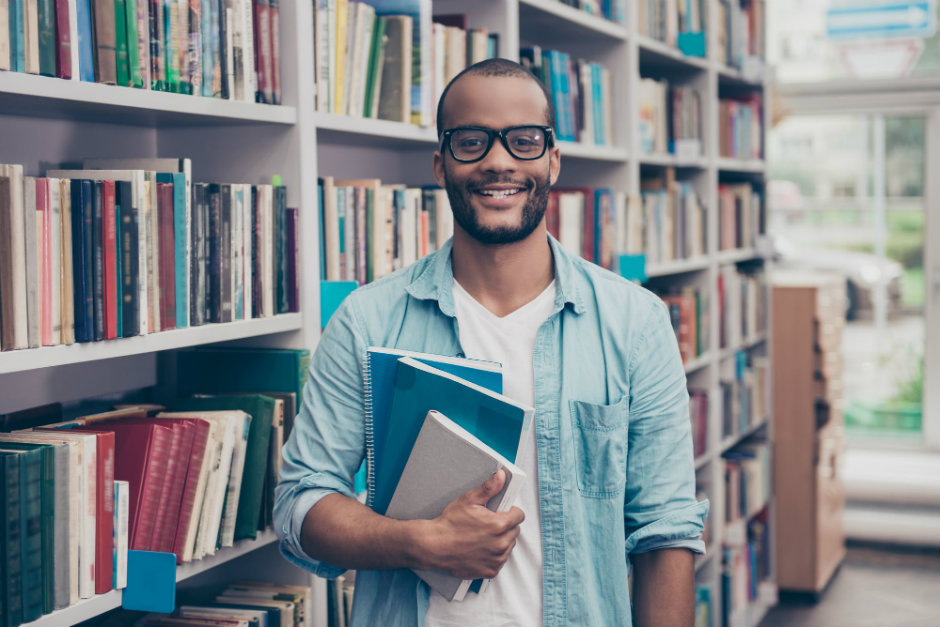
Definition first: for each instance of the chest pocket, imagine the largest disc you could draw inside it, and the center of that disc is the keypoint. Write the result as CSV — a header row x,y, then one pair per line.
x,y
600,442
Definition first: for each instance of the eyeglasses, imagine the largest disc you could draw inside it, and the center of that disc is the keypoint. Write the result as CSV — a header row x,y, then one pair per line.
x,y
468,144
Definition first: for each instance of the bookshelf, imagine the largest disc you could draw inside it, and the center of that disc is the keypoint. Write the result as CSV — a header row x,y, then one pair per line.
x,y
46,121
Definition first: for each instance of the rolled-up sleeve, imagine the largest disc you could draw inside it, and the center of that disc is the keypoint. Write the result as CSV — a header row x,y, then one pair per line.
x,y
660,510
327,443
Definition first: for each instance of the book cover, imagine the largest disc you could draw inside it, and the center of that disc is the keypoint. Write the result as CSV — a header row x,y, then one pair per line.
x,y
121,52
46,260
119,565
45,15
129,16
130,271
495,419
167,272
30,528
105,41
13,260
11,585
67,289
31,35
394,90
226,269
420,85
445,462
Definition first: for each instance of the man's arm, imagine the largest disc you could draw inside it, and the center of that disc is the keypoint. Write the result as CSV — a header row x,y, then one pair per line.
x,y
467,540
663,588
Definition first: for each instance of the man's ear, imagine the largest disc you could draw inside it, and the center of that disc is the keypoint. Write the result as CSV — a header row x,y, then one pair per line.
x,y
437,165
554,164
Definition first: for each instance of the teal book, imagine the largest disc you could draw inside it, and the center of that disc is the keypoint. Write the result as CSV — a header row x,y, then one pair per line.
x,y
47,40
30,531
121,46
496,420
17,37
261,409
180,243
11,538
380,366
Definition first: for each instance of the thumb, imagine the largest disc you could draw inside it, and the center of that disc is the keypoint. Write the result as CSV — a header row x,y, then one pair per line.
x,y
489,489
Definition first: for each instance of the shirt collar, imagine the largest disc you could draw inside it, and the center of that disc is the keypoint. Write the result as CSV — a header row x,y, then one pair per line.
x,y
435,280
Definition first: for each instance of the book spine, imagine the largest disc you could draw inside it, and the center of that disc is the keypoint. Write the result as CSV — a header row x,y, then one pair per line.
x,y
121,36
14,260
4,65
31,530
118,265
256,300
31,35
171,45
119,562
130,261
195,47
109,261
154,472
54,242
214,257
281,250
44,238
104,532
188,502
63,38
182,37
12,587
105,42
142,26
157,60
198,270
181,244
262,36
167,256
274,39
135,78
293,254
167,485
17,50
67,299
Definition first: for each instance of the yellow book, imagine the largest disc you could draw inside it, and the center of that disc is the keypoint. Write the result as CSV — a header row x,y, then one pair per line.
x,y
342,10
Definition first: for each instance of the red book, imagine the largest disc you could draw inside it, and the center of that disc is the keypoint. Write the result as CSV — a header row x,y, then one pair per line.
x,y
104,534
587,249
274,40
141,457
200,430
167,248
109,256
263,50
63,37
551,214
44,237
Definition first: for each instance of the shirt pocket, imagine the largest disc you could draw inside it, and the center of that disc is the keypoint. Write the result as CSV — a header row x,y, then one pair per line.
x,y
600,443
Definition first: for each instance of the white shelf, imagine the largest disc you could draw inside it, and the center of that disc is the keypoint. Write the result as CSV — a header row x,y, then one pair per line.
x,y
573,150
30,359
732,440
699,362
89,608
678,266
50,97
672,161
332,128
752,166
729,76
654,53
554,20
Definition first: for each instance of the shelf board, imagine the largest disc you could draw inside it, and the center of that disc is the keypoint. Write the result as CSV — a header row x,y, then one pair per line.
x,y
699,362
50,97
656,54
733,77
738,254
89,608
345,129
553,20
672,161
750,166
576,150
30,359
752,614
746,344
678,266
730,441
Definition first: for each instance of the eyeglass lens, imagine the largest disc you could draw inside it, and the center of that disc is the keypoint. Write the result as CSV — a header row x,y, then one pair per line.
x,y
527,142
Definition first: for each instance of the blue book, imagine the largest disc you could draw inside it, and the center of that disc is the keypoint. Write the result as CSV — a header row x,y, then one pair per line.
x,y
17,37
180,242
380,368
496,420
83,261
86,41
118,261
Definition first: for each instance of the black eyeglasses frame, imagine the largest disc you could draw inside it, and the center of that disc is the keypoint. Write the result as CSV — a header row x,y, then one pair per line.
x,y
492,134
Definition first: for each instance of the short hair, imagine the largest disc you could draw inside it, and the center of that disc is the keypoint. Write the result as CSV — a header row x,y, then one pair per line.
x,y
497,67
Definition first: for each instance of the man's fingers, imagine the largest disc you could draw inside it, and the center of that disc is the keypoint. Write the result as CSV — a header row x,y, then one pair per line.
x,y
489,489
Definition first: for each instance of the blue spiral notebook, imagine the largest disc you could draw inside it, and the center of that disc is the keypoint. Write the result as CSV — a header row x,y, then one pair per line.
x,y
380,367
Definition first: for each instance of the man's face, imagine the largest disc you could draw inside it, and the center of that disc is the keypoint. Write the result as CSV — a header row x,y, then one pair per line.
x,y
499,199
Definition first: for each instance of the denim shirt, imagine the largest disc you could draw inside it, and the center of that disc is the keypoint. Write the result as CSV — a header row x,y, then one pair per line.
x,y
615,464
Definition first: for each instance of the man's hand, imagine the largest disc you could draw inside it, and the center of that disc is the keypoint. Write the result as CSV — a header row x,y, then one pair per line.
x,y
469,541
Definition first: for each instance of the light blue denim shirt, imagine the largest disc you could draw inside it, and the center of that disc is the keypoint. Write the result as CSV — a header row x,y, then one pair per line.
x,y
616,471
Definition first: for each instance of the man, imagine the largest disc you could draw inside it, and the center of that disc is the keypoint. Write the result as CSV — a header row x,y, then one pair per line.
x,y
609,461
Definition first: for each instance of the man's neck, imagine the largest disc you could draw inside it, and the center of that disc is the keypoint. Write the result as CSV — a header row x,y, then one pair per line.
x,y
503,277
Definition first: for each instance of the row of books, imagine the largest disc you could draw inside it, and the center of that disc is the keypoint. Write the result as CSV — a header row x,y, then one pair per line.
x,y
745,567
747,479
740,32
242,604
698,412
613,10
742,310
389,59
339,597
215,48
674,219
744,388
370,229
688,311
670,118
581,94
741,215
595,223
94,254
740,124
663,20
703,605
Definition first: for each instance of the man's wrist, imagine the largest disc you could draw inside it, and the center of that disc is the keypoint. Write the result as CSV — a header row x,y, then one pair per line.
x,y
418,544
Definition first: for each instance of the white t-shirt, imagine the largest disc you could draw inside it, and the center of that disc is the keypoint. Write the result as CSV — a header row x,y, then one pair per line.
x,y
514,597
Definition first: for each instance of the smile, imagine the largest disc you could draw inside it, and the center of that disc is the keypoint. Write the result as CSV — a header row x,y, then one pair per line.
x,y
499,193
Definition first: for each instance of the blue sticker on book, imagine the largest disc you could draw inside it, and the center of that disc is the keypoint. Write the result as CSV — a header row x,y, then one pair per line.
x,y
332,294
633,267
151,582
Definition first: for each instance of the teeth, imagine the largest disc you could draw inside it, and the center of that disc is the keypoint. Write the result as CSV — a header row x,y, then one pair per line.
x,y
499,193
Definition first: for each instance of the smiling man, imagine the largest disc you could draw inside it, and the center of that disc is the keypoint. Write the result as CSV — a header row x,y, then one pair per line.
x,y
611,478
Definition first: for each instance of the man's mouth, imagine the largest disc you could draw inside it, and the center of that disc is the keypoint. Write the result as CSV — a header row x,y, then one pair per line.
x,y
501,191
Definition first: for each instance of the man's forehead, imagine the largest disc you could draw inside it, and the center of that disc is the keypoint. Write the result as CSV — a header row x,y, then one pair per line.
x,y
484,100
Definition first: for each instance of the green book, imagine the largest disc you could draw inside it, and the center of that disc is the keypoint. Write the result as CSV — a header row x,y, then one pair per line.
x,y
120,45
31,527
370,235
11,538
47,40
133,53
261,410
171,45
239,370
374,73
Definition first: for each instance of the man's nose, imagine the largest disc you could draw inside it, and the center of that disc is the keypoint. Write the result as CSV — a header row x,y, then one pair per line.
x,y
498,159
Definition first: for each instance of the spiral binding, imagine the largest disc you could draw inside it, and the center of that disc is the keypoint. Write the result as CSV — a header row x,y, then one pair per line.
x,y
370,431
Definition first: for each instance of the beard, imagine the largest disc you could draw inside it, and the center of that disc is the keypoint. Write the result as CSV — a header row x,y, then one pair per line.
x,y
464,214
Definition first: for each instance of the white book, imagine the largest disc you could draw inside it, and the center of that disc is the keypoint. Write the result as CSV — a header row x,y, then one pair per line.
x,y
571,221
447,461
267,587
248,255
31,35
68,285
322,35
269,268
217,487
121,518
34,262
242,422
286,607
5,40
15,261
55,259
224,613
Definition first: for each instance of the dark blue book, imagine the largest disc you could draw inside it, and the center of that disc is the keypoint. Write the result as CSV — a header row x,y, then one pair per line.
x,y
214,255
98,248
129,277
320,211
281,304
118,264
86,41
11,538
30,530
83,260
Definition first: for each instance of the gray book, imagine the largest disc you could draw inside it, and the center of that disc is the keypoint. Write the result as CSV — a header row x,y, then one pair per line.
x,y
445,462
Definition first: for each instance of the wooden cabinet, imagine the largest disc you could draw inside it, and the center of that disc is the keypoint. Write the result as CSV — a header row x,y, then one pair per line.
x,y
807,323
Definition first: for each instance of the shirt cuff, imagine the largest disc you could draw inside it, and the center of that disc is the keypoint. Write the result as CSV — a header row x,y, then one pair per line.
x,y
291,547
682,528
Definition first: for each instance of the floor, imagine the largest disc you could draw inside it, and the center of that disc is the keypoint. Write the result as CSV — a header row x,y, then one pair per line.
x,y
875,587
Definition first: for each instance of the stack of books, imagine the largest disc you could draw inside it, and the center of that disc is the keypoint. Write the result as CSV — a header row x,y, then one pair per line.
x,y
740,124
389,59
96,254
215,48
674,219
670,118
613,10
369,229
598,224
742,310
663,20
581,94
742,215
739,32
688,310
